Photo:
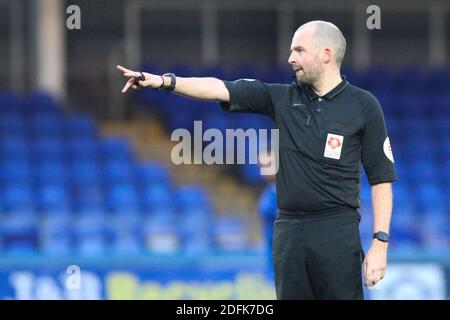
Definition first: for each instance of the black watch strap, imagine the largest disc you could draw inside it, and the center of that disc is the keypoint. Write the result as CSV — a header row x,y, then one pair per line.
x,y
173,81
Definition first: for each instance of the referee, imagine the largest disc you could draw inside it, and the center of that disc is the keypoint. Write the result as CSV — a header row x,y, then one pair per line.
x,y
327,129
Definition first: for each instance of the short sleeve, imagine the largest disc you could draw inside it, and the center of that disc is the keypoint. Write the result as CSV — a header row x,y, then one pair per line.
x,y
376,153
248,95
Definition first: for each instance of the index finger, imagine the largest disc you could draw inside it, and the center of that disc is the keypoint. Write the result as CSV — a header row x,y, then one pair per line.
x,y
124,70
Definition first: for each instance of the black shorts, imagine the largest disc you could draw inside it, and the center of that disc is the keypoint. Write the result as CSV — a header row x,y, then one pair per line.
x,y
318,257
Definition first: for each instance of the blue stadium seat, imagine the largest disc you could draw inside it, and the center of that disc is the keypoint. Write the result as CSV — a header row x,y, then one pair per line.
x,y
436,231
376,79
118,171
440,106
419,150
152,173
440,130
16,171
90,233
19,234
9,101
414,106
445,171
54,198
12,122
440,80
41,102
56,236
18,197
195,232
86,171
82,147
89,198
126,235
229,234
14,146
189,197
117,148
123,199
158,195
412,79
160,234
405,232
412,131
50,171
441,154
422,171
428,194
79,125
50,148
47,123
403,197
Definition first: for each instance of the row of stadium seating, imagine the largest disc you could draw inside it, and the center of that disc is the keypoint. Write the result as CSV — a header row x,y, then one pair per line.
x,y
163,233
66,190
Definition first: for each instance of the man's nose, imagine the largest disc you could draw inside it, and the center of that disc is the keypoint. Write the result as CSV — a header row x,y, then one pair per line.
x,y
291,59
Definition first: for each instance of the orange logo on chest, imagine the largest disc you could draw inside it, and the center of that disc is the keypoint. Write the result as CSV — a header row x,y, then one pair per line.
x,y
334,143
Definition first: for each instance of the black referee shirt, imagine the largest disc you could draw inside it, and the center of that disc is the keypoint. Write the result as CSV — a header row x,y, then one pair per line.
x,y
323,141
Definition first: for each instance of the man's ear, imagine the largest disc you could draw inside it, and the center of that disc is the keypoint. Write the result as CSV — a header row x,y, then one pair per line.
x,y
327,55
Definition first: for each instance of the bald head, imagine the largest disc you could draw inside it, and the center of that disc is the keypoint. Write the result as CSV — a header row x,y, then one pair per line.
x,y
326,34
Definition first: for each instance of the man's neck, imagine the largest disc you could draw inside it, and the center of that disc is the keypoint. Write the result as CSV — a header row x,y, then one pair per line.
x,y
327,83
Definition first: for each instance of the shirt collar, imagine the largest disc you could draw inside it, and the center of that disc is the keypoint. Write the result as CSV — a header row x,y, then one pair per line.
x,y
312,95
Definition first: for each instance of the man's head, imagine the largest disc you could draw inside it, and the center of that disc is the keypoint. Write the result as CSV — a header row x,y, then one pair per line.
x,y
317,48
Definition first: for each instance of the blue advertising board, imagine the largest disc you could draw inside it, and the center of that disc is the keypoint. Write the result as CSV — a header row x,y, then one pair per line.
x,y
240,276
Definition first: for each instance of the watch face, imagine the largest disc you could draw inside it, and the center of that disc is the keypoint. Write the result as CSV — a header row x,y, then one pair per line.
x,y
382,236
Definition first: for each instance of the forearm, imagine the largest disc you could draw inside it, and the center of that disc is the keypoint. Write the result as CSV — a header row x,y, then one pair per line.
x,y
208,89
375,262
382,206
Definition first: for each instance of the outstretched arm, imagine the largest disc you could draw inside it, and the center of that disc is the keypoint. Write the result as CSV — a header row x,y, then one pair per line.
x,y
208,89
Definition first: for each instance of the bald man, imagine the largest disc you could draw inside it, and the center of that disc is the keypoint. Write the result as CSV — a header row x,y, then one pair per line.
x,y
327,129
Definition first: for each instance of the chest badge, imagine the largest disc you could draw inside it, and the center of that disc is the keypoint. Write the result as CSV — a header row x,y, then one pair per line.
x,y
333,146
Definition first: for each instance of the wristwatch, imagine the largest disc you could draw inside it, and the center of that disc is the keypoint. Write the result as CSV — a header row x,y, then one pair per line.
x,y
173,81
381,236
